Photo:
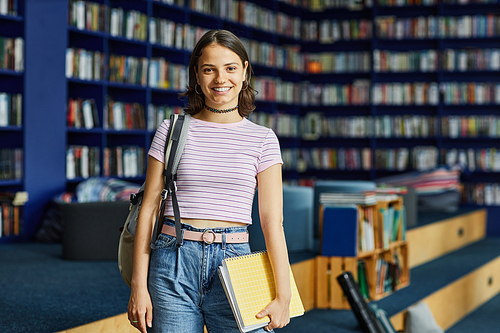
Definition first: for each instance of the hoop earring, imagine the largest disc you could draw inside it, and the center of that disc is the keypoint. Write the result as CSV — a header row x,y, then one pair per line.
x,y
246,86
196,91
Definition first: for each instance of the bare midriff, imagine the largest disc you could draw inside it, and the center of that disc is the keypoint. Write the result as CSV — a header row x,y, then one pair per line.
x,y
204,224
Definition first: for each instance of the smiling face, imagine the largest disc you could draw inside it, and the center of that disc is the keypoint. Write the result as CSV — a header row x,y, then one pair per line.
x,y
220,74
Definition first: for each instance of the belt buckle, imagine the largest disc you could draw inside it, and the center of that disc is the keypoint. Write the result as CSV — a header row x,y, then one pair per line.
x,y
205,239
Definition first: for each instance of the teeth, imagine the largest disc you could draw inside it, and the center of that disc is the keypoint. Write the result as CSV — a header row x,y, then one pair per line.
x,y
221,89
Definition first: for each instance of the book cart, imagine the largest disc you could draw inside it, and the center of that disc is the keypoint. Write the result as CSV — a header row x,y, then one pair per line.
x,y
381,269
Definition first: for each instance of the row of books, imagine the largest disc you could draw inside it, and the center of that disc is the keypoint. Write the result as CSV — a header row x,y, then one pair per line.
x,y
393,225
158,113
360,92
329,31
124,161
273,89
470,126
12,53
82,161
388,276
157,72
133,24
315,126
470,60
250,14
363,159
428,93
405,93
124,116
84,64
121,161
403,3
11,212
333,159
405,61
485,159
283,124
167,75
130,24
393,159
11,110
339,62
172,2
487,194
82,113
461,60
471,93
11,163
321,5
174,35
93,16
8,7
286,57
128,69
357,93
367,229
402,126
88,15
466,26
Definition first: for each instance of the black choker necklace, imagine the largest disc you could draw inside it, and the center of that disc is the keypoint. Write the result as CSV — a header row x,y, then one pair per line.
x,y
221,111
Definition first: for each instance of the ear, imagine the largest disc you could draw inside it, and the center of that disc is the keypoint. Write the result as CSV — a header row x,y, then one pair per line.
x,y
196,75
245,70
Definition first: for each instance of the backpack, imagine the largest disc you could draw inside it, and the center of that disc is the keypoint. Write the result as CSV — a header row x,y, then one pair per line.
x,y
174,145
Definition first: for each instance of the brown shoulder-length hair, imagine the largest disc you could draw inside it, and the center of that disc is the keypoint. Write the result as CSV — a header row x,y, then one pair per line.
x,y
196,102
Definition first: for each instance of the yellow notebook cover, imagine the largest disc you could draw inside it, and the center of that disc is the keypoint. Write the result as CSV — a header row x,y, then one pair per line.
x,y
249,284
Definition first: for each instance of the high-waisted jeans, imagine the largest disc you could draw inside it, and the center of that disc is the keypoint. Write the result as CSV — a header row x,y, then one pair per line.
x,y
184,284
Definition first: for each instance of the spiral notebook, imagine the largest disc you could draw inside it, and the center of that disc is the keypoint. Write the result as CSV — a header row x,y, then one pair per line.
x,y
249,285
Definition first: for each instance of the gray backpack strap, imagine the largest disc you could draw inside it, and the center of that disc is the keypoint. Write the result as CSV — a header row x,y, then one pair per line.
x,y
179,127
182,141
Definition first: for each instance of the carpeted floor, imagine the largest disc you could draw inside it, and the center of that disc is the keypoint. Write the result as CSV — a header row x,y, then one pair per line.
x,y
49,294
43,293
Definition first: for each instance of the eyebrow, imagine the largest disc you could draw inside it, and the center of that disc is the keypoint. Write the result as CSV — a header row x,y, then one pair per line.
x,y
210,65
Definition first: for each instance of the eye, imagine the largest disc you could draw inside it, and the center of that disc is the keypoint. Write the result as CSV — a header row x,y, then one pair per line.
x,y
231,68
208,70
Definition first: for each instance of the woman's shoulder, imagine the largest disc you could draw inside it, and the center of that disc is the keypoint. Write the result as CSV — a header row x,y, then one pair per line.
x,y
258,128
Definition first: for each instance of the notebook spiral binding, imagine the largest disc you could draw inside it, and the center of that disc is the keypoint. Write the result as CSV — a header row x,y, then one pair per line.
x,y
253,254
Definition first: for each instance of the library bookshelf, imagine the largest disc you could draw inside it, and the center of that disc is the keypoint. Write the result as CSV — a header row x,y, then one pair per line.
x,y
379,269
349,93
11,118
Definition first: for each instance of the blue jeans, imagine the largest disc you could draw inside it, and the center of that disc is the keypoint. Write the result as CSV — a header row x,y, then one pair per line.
x,y
184,284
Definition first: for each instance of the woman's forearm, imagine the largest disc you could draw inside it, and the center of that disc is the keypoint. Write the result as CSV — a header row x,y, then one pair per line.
x,y
278,256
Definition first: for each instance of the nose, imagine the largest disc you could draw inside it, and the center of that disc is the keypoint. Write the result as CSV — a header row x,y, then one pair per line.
x,y
221,77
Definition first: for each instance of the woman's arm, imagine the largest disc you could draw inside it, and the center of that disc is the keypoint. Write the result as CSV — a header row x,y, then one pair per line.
x,y
271,219
140,309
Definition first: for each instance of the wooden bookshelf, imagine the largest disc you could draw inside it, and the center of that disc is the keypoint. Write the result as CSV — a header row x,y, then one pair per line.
x,y
384,254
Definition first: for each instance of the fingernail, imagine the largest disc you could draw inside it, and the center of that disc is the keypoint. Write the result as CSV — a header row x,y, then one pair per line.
x,y
150,324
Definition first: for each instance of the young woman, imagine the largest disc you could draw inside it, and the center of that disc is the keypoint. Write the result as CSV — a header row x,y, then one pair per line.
x,y
177,289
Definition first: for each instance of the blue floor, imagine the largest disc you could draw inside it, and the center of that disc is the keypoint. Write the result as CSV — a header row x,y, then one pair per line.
x,y
40,292
43,293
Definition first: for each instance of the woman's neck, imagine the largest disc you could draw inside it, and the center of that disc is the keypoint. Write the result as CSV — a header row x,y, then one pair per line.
x,y
230,117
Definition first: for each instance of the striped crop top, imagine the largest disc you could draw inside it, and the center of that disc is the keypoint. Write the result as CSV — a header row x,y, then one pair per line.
x,y
216,178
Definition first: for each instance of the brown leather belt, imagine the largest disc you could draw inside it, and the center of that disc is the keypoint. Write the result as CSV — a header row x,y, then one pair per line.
x,y
208,236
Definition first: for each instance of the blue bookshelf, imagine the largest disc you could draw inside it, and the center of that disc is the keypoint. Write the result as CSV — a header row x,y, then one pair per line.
x,y
49,30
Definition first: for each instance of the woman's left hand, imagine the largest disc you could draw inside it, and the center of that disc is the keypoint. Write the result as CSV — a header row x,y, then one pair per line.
x,y
278,312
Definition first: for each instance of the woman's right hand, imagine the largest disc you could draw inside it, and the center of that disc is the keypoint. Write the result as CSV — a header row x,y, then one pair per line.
x,y
140,310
